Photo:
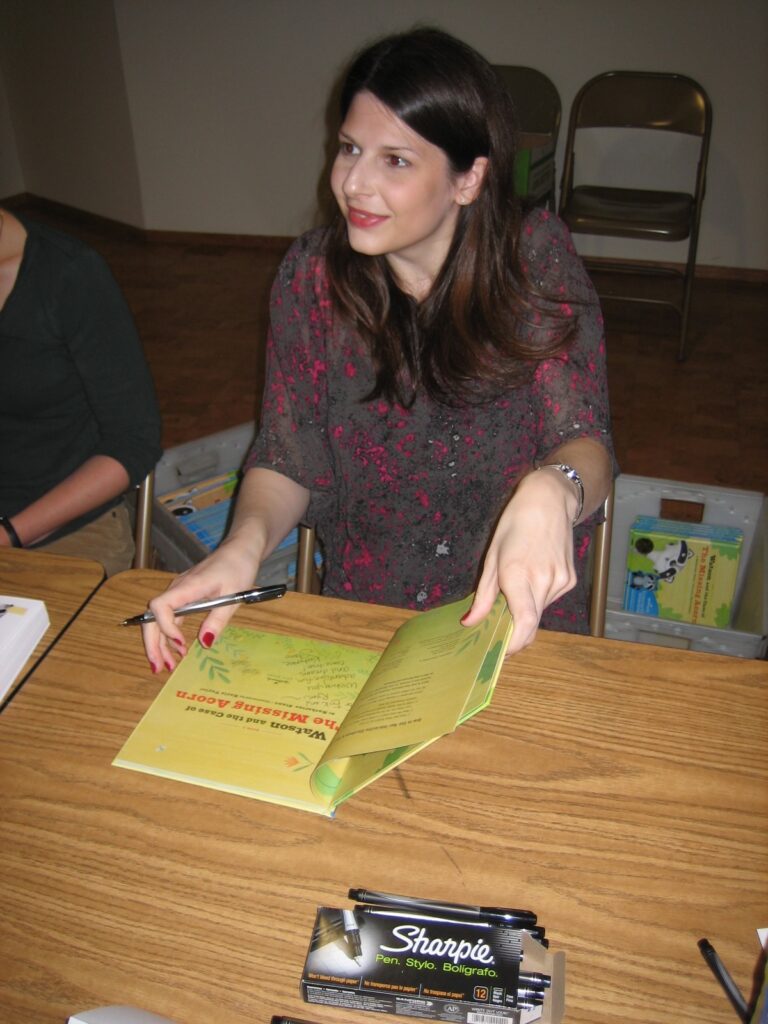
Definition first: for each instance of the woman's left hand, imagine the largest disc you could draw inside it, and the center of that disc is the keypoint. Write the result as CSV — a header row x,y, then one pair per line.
x,y
530,557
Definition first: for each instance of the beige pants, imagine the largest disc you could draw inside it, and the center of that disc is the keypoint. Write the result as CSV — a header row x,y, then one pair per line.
x,y
108,539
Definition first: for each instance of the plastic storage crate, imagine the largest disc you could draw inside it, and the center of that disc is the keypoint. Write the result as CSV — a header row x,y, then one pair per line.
x,y
186,465
748,635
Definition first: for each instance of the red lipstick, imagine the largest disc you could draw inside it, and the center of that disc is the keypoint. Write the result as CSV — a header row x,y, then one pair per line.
x,y
362,219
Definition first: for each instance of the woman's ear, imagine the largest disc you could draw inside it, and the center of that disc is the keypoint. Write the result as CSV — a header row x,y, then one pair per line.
x,y
470,182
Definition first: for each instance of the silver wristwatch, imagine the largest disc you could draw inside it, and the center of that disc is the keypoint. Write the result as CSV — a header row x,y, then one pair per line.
x,y
573,476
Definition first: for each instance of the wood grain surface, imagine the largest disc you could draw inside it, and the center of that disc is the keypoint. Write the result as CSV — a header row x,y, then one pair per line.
x,y
64,584
618,790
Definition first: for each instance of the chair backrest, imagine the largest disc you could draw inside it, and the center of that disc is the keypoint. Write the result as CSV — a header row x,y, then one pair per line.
x,y
535,97
651,100
643,99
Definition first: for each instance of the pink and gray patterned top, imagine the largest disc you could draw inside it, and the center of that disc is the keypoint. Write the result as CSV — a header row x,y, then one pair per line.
x,y
404,499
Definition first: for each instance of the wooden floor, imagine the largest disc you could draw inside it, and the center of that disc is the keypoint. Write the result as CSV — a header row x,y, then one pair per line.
x,y
202,313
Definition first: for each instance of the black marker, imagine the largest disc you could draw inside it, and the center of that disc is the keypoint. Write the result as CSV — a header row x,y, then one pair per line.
x,y
243,597
494,915
728,985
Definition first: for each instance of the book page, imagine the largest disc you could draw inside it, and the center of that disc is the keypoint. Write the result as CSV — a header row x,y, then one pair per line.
x,y
419,690
340,778
480,695
253,715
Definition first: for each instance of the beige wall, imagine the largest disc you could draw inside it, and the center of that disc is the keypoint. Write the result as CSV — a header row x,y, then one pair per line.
x,y
209,115
69,109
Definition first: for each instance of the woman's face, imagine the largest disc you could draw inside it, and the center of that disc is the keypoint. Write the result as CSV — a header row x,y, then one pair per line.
x,y
397,193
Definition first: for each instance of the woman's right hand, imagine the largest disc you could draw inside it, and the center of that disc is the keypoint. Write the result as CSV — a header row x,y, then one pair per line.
x,y
269,505
231,568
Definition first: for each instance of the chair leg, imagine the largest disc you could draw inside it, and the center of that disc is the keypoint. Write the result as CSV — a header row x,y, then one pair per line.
x,y
601,557
690,275
143,532
684,312
306,575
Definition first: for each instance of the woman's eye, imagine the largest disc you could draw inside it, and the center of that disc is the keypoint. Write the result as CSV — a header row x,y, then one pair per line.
x,y
348,149
394,160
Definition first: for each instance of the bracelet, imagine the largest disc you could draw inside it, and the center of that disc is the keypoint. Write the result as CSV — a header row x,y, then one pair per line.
x,y
7,525
573,476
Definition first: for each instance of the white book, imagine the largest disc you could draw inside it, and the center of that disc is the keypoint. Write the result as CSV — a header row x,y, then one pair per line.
x,y
23,621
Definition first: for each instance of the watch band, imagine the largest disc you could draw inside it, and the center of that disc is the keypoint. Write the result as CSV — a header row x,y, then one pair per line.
x,y
7,525
573,476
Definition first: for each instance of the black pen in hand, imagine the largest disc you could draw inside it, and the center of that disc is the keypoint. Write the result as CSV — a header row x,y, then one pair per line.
x,y
244,597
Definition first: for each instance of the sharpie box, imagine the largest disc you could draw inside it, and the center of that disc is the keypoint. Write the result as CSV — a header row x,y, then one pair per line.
x,y
419,966
682,571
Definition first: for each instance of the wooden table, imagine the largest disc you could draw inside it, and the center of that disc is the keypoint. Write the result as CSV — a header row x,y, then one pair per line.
x,y
618,790
64,584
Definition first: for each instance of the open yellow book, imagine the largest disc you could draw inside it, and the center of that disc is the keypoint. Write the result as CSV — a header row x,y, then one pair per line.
x,y
307,723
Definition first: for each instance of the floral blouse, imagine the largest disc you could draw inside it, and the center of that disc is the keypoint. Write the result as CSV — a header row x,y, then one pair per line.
x,y
404,500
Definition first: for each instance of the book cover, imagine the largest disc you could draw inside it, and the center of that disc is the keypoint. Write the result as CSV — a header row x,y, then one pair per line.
x,y
308,723
23,621
685,572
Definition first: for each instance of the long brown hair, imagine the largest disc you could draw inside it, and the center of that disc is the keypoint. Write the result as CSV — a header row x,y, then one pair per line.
x,y
472,336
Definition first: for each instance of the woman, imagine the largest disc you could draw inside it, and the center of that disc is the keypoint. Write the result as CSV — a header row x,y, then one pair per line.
x,y
436,399
79,423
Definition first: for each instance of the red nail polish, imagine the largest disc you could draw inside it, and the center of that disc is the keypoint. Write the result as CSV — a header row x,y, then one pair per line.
x,y
154,667
170,666
179,641
208,639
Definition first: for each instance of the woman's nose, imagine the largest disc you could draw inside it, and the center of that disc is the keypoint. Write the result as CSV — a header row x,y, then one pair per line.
x,y
358,179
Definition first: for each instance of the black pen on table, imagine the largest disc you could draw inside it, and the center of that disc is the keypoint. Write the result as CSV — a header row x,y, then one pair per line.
x,y
243,597
728,985
511,918
289,1020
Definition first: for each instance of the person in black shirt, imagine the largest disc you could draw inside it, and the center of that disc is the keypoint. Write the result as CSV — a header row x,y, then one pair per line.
x,y
79,423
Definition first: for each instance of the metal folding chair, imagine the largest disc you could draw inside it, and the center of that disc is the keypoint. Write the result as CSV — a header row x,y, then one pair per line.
x,y
647,101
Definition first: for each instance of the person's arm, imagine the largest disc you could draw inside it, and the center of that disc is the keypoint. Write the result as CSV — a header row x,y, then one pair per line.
x,y
269,505
104,430
96,482
93,317
530,556
288,462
